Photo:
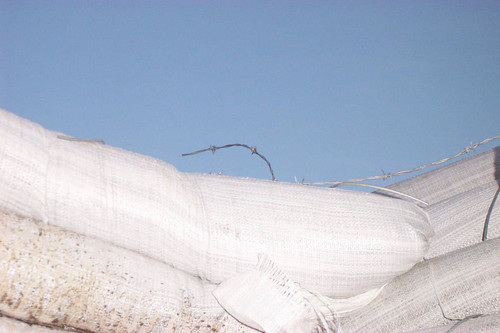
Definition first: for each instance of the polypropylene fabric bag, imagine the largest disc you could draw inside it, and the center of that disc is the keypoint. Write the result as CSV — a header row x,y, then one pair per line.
x,y
267,300
461,197
54,277
463,219
335,242
446,289
436,292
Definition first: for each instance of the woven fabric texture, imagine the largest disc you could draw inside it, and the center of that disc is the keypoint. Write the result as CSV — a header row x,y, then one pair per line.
x,y
459,221
453,179
54,277
265,299
435,292
335,242
483,324
460,197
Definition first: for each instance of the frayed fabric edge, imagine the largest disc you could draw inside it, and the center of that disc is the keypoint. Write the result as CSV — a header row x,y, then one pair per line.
x,y
267,300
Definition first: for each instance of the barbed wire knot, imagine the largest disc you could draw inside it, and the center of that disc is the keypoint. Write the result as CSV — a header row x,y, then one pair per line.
x,y
470,148
386,176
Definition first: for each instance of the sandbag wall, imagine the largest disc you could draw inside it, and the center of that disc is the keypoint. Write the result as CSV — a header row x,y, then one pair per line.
x,y
335,242
460,278
435,292
459,196
146,245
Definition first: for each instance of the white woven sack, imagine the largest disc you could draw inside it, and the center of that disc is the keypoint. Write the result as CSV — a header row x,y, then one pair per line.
x,y
267,300
454,178
459,221
443,290
462,198
53,277
339,243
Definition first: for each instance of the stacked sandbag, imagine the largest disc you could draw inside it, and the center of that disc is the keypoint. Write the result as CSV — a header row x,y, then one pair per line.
x,y
335,242
443,290
54,277
448,289
460,217
461,199
165,239
462,220
461,210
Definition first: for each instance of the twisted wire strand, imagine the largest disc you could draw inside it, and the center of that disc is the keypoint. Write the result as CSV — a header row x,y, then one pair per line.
x,y
488,215
358,181
385,176
252,149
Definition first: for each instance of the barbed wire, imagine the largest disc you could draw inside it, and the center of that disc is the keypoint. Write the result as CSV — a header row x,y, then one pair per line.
x,y
359,181
354,181
252,149
385,176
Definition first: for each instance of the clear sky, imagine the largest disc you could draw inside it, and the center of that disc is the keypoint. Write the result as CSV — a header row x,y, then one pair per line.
x,y
326,90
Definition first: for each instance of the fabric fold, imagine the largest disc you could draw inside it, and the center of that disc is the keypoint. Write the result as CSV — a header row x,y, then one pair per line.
x,y
267,300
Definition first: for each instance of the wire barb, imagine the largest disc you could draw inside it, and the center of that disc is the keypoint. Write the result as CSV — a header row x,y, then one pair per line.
x,y
385,176
253,150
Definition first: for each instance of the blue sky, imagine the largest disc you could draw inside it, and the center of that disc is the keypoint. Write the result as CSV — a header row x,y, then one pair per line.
x,y
326,90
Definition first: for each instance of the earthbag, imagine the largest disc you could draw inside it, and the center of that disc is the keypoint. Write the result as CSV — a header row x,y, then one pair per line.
x,y
56,278
335,242
444,290
462,200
